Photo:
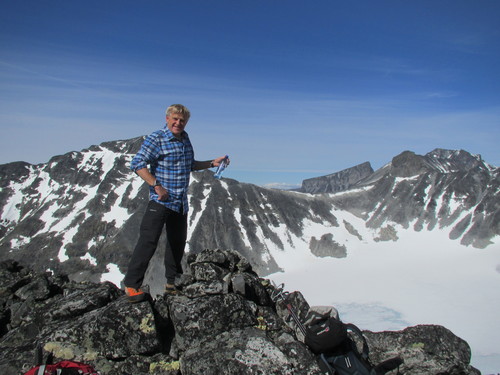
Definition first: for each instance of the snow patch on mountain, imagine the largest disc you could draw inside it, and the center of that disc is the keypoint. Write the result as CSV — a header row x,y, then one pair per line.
x,y
112,274
119,213
91,260
196,215
16,243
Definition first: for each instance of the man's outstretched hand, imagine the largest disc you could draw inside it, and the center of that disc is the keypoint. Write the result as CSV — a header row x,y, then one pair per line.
x,y
218,161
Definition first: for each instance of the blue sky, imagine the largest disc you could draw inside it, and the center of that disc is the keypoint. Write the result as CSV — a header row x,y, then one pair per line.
x,y
289,89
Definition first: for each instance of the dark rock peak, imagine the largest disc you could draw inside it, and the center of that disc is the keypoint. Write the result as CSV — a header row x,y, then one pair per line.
x,y
406,164
456,160
126,146
409,164
223,322
14,170
456,155
338,181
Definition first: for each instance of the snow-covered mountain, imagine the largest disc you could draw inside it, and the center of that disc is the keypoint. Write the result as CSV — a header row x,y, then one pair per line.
x,y
80,212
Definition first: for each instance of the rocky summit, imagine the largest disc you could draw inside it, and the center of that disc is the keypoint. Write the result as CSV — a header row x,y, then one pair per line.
x,y
224,321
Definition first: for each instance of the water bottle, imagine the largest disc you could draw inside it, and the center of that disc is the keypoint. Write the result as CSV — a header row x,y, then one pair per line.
x,y
221,167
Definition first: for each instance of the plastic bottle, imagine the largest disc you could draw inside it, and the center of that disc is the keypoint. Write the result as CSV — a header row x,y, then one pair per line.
x,y
221,167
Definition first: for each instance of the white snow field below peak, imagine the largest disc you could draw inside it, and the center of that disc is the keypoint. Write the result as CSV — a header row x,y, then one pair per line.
x,y
423,278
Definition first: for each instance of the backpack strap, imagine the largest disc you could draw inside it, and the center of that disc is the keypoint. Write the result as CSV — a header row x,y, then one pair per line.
x,y
351,327
388,365
325,366
41,370
39,355
383,367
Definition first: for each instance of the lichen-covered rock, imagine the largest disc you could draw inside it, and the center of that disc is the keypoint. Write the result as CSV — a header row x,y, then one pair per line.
x,y
227,259
426,349
195,319
246,351
97,333
250,287
37,289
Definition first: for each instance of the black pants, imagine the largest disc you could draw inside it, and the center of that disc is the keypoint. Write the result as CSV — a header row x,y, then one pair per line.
x,y
155,218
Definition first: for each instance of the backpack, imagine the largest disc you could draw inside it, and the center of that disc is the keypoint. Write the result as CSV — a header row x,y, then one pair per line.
x,y
59,368
325,336
346,359
337,353
63,368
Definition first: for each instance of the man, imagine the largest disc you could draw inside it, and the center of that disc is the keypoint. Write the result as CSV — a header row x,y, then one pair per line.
x,y
170,155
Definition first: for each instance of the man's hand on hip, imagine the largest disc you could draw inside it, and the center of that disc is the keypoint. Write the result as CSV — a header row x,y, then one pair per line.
x,y
162,193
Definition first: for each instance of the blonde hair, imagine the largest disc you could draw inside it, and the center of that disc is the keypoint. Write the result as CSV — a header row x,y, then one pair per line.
x,y
179,108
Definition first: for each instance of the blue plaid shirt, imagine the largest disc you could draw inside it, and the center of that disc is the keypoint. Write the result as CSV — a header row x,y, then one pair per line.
x,y
171,162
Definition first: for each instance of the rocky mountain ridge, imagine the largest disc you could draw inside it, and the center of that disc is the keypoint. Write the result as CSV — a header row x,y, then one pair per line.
x,y
338,181
79,213
444,189
224,322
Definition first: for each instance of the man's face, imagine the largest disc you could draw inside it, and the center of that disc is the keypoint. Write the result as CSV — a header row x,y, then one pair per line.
x,y
176,123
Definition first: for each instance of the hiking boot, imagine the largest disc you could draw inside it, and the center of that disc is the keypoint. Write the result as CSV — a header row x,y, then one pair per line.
x,y
171,290
135,295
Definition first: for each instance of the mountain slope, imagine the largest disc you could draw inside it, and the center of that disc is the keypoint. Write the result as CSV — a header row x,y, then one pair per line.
x,y
65,213
445,189
80,212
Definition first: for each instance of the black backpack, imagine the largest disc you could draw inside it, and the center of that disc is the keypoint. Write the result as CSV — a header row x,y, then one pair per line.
x,y
346,359
325,336
336,350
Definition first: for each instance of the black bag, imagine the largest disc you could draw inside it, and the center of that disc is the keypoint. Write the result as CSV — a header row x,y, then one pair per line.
x,y
337,353
347,360
325,336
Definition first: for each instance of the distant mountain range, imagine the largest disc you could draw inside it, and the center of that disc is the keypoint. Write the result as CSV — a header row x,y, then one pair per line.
x,y
79,213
